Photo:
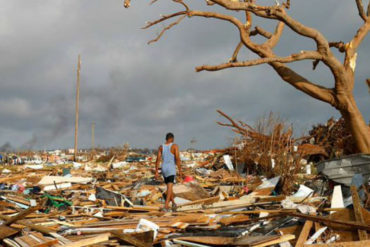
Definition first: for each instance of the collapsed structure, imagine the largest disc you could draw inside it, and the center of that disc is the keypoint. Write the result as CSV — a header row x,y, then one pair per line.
x,y
266,190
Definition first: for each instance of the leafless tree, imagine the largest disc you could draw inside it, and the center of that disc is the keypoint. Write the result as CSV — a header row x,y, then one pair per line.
x,y
339,96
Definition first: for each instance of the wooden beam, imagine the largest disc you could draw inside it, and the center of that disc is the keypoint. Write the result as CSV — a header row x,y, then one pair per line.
x,y
326,220
132,239
282,239
6,231
304,233
21,215
342,244
90,241
44,230
358,212
202,201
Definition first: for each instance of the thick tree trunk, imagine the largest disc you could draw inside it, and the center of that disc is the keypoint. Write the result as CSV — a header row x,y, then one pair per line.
x,y
357,125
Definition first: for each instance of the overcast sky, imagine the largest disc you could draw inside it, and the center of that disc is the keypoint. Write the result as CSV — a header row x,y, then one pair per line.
x,y
136,92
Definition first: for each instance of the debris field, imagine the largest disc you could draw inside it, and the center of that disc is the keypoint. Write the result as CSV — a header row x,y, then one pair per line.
x,y
265,190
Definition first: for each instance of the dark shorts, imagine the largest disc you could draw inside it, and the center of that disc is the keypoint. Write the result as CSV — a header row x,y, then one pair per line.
x,y
169,179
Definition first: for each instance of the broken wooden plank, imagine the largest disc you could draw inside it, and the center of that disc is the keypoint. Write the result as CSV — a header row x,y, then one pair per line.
x,y
202,201
304,233
326,220
44,230
90,241
358,212
185,243
282,239
342,244
21,215
35,239
136,208
231,241
6,231
234,219
139,240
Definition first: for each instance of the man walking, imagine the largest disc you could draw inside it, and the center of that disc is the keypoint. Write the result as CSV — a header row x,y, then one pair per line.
x,y
170,155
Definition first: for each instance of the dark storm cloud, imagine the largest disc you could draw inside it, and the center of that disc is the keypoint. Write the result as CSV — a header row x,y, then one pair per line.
x,y
135,92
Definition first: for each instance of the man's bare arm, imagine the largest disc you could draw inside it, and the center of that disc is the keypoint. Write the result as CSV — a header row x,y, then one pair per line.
x,y
159,158
178,160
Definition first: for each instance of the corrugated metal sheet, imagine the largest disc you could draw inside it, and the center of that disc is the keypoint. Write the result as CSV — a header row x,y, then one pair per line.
x,y
342,170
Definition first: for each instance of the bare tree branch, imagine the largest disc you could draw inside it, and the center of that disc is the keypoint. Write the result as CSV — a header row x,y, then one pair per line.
x,y
127,3
360,36
277,12
167,28
234,58
341,96
263,32
287,4
360,8
315,63
299,82
267,56
351,47
339,45
182,3
164,18
235,125
272,42
292,58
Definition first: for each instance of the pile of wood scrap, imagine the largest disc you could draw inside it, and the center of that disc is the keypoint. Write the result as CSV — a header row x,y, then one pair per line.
x,y
334,137
94,204
270,148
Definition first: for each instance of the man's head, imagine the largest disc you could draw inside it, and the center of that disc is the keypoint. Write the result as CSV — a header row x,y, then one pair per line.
x,y
170,137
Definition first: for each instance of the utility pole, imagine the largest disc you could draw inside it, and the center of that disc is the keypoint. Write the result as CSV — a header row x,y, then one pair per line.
x,y
93,137
77,105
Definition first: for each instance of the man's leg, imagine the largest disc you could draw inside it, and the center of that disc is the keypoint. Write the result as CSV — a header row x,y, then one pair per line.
x,y
169,195
173,195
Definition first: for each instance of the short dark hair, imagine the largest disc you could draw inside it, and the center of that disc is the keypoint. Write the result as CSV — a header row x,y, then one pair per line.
x,y
169,136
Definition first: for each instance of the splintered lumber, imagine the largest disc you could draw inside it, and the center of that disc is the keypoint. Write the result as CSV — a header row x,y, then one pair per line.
x,y
234,219
326,220
304,233
44,230
35,239
144,239
358,212
6,231
51,180
90,241
190,191
18,199
269,211
342,244
185,243
21,215
219,240
282,239
11,178
136,208
202,201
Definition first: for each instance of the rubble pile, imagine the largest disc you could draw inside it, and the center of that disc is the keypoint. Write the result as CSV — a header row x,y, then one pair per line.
x,y
333,137
118,203
271,149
